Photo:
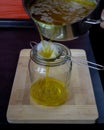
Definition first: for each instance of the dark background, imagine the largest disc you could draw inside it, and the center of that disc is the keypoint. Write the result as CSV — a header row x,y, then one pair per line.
x,y
96,34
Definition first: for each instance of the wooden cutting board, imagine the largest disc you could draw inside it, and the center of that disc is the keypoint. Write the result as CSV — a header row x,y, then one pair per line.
x,y
80,108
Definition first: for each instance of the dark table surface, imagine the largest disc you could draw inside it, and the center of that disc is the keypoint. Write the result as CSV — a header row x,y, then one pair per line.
x,y
12,40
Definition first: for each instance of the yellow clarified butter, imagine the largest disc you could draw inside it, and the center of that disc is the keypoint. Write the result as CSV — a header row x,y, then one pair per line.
x,y
49,91
46,51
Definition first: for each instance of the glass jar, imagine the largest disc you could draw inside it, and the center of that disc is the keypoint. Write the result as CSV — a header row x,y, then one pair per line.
x,y
50,77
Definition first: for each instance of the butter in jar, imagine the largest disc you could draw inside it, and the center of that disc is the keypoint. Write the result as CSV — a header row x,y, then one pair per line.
x,y
50,74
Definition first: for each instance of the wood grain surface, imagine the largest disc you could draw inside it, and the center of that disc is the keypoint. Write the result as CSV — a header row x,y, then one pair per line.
x,y
79,108
12,9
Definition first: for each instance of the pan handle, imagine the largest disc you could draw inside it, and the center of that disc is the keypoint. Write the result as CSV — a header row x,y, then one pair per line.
x,y
93,21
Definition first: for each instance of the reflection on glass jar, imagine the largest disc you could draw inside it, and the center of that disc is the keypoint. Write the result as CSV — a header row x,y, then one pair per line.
x,y
50,77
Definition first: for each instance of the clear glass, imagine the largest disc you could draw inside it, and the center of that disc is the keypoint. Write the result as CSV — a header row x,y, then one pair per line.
x,y
50,78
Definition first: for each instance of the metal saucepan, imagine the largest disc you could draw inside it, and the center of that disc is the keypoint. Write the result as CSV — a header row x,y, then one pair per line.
x,y
68,31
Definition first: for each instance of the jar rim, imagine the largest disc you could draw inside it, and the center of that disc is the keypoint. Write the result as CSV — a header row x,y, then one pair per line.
x,y
60,59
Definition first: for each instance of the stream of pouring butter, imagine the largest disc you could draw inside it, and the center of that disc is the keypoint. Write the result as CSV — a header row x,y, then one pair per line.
x,y
48,90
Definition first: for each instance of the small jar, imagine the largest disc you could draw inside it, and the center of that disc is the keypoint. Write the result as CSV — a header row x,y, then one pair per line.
x,y
50,77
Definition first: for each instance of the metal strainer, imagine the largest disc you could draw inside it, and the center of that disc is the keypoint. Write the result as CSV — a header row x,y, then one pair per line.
x,y
58,52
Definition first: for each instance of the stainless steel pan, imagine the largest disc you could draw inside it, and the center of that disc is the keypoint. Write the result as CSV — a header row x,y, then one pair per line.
x,y
69,31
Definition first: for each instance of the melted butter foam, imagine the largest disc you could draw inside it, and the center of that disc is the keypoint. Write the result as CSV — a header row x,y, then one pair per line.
x,y
61,11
